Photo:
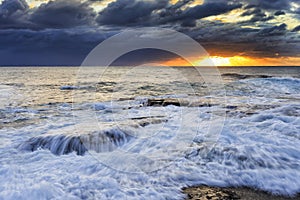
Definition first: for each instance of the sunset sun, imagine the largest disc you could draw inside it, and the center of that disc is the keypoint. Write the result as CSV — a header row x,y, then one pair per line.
x,y
214,60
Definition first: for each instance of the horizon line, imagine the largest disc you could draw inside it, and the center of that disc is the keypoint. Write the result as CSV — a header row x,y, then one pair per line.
x,y
3,66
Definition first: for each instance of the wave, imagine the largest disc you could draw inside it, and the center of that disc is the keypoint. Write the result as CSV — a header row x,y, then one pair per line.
x,y
101,141
268,87
105,140
244,76
99,86
74,87
256,151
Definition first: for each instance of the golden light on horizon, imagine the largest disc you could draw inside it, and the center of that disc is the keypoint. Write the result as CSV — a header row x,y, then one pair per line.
x,y
248,61
176,62
236,61
213,60
225,61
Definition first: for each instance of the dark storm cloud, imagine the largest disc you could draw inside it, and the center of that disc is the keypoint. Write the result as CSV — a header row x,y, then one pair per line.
x,y
269,4
279,12
47,47
250,6
274,31
128,12
296,29
144,56
257,18
230,39
189,16
279,7
297,12
63,14
256,12
62,32
13,14
274,4
257,15
10,7
188,23
209,9
179,4
16,14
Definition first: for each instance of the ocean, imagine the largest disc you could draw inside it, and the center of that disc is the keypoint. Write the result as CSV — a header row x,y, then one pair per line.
x,y
147,132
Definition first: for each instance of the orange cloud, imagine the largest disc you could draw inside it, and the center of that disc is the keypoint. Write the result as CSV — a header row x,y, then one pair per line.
x,y
177,62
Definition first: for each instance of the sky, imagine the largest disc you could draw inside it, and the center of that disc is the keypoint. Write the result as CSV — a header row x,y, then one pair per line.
x,y
234,33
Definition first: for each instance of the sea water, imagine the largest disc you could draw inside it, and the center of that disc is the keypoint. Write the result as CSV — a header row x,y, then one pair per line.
x,y
73,133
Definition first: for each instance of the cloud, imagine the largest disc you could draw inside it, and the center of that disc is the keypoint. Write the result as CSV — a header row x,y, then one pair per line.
x,y
223,39
9,7
258,18
250,6
129,12
13,14
209,9
62,32
257,15
144,56
296,29
188,23
274,4
47,47
63,14
274,31
269,4
256,12
279,12
143,13
188,16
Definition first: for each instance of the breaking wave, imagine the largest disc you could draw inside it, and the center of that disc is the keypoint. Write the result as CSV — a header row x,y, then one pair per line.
x,y
102,141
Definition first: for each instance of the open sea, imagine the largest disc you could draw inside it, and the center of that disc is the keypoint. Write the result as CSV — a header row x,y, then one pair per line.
x,y
147,132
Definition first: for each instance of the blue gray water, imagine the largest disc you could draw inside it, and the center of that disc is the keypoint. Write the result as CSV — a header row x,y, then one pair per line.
x,y
91,133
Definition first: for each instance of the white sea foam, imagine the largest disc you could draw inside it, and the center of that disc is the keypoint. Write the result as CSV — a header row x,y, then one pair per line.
x,y
270,87
258,149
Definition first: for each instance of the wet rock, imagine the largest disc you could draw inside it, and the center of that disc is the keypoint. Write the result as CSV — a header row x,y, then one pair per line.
x,y
245,76
231,107
178,102
163,102
210,193
214,193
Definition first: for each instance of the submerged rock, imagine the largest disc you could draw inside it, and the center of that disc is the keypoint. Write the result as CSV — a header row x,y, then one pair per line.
x,y
102,141
163,102
245,76
105,140
177,102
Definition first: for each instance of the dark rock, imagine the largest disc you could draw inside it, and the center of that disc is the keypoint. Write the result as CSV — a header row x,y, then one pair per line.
x,y
231,107
245,76
217,193
163,102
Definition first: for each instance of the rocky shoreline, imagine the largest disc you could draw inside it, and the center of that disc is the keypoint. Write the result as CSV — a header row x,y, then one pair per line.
x,y
216,193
